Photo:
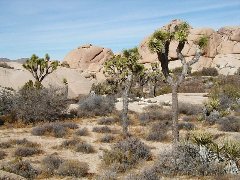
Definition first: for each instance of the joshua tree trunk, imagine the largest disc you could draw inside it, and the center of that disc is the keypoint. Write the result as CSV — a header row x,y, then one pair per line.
x,y
175,132
125,105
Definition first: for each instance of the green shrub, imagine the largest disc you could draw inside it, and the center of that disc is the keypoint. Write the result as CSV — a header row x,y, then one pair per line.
x,y
73,168
95,105
126,153
209,71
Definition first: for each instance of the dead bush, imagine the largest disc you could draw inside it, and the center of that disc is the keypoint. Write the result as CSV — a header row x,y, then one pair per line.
x,y
186,161
82,132
22,168
102,129
71,143
51,163
189,109
107,138
55,129
84,148
73,168
229,124
5,145
126,153
26,151
186,126
158,131
2,154
95,105
153,113
23,142
107,121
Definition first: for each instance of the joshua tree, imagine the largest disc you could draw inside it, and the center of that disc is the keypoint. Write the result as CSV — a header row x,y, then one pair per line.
x,y
159,43
155,76
122,68
40,67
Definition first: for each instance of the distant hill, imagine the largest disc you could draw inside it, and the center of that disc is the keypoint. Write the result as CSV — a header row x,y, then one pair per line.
x,y
21,60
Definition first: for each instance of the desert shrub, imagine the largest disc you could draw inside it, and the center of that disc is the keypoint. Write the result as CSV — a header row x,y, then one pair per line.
x,y
2,154
6,102
71,143
22,168
51,163
108,175
158,131
73,168
213,117
186,126
69,125
26,151
95,105
229,124
237,72
107,121
178,70
145,174
189,118
56,129
166,89
5,65
231,150
107,138
203,139
82,132
154,112
5,145
126,153
65,64
84,148
186,160
23,142
32,105
209,71
192,85
189,109
102,129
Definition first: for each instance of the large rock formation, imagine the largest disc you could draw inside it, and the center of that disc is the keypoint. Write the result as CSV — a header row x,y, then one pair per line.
x,y
89,59
222,52
17,77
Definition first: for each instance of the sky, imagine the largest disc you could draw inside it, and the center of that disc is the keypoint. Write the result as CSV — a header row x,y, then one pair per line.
x,y
57,26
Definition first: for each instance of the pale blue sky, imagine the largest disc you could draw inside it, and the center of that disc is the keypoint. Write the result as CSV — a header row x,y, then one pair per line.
x,y
57,26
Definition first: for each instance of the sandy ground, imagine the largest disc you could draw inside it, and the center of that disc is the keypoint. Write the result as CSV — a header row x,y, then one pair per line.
x,y
191,98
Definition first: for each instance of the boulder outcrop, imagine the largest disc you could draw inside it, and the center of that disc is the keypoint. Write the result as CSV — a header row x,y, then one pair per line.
x,y
222,52
88,58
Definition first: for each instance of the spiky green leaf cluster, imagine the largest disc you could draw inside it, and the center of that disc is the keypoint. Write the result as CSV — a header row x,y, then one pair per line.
x,y
202,41
159,38
120,66
181,31
40,67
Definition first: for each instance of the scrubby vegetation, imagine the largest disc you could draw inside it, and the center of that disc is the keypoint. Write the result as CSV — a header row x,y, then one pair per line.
x,y
125,154
95,105
102,129
22,168
2,154
26,151
82,132
73,168
56,129
5,65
